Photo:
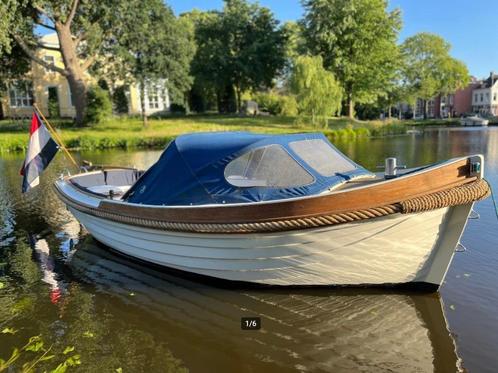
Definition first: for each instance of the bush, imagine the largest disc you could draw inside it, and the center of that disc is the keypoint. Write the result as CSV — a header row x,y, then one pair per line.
x,y
177,109
120,100
99,106
288,106
277,104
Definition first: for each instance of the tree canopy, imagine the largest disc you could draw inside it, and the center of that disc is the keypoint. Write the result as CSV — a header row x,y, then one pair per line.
x,y
153,46
317,92
357,41
81,28
240,48
89,32
429,69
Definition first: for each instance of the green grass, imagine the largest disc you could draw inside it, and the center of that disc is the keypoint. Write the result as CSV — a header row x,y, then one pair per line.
x,y
129,132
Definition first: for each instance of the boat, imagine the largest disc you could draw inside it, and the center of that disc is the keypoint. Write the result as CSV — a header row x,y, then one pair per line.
x,y
474,121
283,210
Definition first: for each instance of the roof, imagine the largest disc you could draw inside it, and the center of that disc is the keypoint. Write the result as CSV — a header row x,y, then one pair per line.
x,y
239,167
489,82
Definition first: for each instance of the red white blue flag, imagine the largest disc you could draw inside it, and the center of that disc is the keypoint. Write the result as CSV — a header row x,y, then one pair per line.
x,y
41,150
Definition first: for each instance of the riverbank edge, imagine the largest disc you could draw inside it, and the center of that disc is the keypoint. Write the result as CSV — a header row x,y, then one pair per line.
x,y
129,133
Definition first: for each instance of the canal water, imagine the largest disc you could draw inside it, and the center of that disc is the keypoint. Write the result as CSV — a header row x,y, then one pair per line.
x,y
96,311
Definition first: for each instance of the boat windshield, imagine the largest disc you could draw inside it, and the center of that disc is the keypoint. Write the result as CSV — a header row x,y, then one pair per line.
x,y
268,166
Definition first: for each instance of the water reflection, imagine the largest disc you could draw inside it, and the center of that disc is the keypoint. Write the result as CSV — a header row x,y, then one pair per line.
x,y
307,330
58,283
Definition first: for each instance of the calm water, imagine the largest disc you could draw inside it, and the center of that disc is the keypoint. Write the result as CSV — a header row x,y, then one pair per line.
x,y
58,283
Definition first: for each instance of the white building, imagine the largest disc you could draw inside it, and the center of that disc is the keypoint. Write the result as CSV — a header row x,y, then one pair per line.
x,y
485,96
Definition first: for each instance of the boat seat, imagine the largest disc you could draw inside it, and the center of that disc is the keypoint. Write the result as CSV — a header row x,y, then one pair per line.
x,y
117,190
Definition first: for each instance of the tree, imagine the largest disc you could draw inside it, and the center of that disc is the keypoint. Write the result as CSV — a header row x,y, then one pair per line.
x,y
240,48
152,45
357,40
81,27
429,69
317,92
13,65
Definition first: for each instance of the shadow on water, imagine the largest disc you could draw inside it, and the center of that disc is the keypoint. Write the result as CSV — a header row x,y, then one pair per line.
x,y
57,282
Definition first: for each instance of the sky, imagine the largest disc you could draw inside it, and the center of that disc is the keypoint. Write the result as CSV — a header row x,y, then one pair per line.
x,y
471,26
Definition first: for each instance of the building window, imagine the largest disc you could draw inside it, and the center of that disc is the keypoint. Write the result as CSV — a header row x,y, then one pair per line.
x,y
51,61
21,94
487,96
482,97
494,97
71,97
475,97
164,97
153,96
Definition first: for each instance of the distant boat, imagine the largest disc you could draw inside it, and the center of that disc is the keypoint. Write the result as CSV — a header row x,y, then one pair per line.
x,y
474,121
280,210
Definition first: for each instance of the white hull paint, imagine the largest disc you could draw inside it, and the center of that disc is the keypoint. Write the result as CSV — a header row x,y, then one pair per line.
x,y
393,249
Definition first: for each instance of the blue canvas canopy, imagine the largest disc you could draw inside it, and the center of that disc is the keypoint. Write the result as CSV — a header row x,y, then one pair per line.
x,y
239,167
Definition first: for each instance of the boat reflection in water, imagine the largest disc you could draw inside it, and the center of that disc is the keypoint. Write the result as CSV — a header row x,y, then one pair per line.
x,y
302,329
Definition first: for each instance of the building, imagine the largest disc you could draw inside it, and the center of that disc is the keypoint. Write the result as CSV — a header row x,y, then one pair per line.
x,y
485,96
458,103
50,90
446,106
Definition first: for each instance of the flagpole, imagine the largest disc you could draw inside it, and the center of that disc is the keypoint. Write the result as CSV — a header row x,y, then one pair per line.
x,y
56,135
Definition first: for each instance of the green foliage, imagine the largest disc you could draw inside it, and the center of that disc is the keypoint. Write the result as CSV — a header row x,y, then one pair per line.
x,y
99,105
53,103
177,109
317,93
8,331
13,65
248,46
277,104
368,111
34,352
119,100
429,69
84,27
357,40
153,47
288,106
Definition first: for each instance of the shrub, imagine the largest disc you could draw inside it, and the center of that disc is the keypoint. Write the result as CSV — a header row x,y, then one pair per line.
x,y
317,92
288,106
277,104
120,100
177,108
99,106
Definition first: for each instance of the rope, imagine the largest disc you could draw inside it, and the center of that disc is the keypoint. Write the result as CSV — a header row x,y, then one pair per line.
x,y
475,191
464,194
494,202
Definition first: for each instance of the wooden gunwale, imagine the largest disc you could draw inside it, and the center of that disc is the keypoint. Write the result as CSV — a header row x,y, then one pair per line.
x,y
382,193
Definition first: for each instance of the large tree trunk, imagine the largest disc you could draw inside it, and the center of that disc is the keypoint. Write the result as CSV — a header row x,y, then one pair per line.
x,y
75,73
142,103
389,112
425,109
351,108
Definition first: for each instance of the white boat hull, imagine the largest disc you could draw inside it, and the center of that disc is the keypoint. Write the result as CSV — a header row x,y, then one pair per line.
x,y
394,249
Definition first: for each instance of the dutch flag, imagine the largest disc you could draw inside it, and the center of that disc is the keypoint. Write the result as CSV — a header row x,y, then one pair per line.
x,y
41,150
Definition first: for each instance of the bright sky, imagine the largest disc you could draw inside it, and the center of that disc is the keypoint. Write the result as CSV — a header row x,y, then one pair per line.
x,y
471,26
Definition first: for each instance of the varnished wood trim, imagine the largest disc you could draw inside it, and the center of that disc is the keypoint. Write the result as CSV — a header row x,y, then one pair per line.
x,y
370,196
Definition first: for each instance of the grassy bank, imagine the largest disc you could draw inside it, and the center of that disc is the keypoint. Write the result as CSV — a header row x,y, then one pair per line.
x,y
129,132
